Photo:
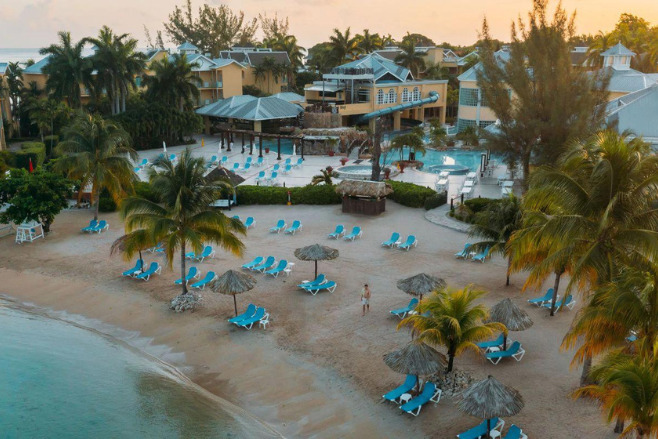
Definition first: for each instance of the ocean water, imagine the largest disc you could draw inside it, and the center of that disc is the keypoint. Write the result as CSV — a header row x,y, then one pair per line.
x,y
58,380
24,54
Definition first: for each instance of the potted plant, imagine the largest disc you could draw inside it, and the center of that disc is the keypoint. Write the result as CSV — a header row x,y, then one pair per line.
x,y
387,173
267,150
331,153
343,160
402,165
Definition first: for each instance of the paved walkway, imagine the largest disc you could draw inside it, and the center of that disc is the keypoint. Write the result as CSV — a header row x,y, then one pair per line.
x,y
439,216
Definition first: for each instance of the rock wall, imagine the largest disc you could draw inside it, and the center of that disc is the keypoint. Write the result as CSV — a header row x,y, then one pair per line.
x,y
322,120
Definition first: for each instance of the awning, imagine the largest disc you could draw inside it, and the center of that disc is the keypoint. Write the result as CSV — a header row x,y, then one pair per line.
x,y
328,87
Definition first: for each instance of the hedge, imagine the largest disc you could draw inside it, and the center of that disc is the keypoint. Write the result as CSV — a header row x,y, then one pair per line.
x,y
29,150
317,195
409,194
477,205
436,200
48,141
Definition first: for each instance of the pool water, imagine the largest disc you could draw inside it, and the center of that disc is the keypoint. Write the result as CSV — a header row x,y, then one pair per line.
x,y
455,161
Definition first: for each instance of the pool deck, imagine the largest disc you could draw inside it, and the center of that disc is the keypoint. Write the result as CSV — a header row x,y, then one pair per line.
x,y
486,187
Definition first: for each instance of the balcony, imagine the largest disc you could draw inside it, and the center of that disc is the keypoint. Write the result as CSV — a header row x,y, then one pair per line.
x,y
219,84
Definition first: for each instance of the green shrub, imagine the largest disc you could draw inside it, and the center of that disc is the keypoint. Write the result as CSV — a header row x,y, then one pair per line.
x,y
436,200
316,195
29,150
48,141
477,205
409,194
143,190
107,204
319,194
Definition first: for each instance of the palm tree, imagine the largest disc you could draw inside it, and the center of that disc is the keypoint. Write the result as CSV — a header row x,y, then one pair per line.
x,y
173,82
117,63
496,224
15,84
268,71
325,177
435,71
600,44
96,152
410,58
627,388
184,219
67,69
344,47
368,42
413,141
454,321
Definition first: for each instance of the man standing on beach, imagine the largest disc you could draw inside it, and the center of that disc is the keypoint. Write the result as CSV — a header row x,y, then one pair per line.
x,y
365,299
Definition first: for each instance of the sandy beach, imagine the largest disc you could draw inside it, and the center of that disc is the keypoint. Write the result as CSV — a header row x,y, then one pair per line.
x,y
317,371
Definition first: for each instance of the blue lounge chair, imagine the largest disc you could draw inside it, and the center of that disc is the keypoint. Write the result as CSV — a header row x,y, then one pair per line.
x,y
276,167
255,262
245,168
212,162
395,394
410,242
261,176
329,286
154,268
236,217
92,224
299,163
251,310
546,298
258,316
249,159
480,257
481,430
515,432
287,169
210,276
137,268
207,252
280,225
265,265
249,222
100,227
288,161
296,227
192,273
224,159
566,301
172,157
280,267
356,233
492,343
317,281
402,312
465,252
143,163
340,229
236,167
259,162
272,179
515,351
429,393
393,240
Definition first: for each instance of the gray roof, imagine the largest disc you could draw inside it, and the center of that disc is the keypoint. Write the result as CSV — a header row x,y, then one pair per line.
x,y
255,109
636,112
289,96
255,57
382,67
187,46
628,81
618,49
502,56
38,66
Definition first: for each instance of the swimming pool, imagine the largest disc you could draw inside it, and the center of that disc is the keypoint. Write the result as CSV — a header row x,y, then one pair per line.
x,y
455,161
355,172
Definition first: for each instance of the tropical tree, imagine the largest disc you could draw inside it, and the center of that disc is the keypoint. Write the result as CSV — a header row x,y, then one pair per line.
x,y
67,69
602,41
344,47
496,224
116,62
183,220
368,42
454,322
435,71
438,134
326,177
413,140
173,82
14,77
43,113
410,58
269,71
97,152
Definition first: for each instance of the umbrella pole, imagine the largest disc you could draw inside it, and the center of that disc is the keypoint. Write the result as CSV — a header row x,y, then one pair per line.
x,y
489,428
140,256
235,305
316,269
504,341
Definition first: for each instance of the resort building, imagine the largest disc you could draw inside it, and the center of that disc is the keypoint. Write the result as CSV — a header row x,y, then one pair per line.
x,y
265,69
432,55
373,86
636,112
473,109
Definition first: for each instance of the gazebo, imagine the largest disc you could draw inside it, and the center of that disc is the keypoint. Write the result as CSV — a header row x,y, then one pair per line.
x,y
365,197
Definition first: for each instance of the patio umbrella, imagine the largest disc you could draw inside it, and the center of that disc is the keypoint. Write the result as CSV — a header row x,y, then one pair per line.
x,y
420,284
510,315
316,252
164,146
416,358
490,398
233,282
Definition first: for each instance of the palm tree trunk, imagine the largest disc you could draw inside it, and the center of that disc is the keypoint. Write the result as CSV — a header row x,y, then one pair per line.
x,y
182,267
587,366
509,265
451,358
556,286
619,425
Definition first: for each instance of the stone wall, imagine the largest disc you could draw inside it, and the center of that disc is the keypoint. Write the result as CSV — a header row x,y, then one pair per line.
x,y
322,120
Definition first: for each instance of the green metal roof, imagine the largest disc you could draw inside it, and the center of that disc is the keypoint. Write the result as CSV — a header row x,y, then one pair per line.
x,y
251,108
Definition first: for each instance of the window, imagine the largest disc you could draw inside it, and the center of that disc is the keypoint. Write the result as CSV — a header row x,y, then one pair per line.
x,y
380,96
462,124
468,97
391,96
405,95
416,94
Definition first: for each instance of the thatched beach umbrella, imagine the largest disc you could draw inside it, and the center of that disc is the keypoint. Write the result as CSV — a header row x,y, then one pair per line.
x,y
416,358
490,398
510,315
363,188
316,252
233,282
420,284
134,242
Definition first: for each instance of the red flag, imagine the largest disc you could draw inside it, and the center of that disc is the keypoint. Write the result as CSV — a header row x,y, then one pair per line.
x,y
31,167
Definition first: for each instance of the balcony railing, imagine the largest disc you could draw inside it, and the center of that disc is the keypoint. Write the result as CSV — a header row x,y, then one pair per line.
x,y
352,71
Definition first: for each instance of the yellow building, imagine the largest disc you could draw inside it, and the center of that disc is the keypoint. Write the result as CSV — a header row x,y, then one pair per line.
x,y
373,86
445,58
254,60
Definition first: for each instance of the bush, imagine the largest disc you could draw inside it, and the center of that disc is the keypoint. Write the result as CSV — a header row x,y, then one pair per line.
x,y
315,195
436,200
143,190
107,204
48,141
409,194
477,205
29,150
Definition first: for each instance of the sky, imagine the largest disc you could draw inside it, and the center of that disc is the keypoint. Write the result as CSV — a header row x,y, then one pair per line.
x,y
34,23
